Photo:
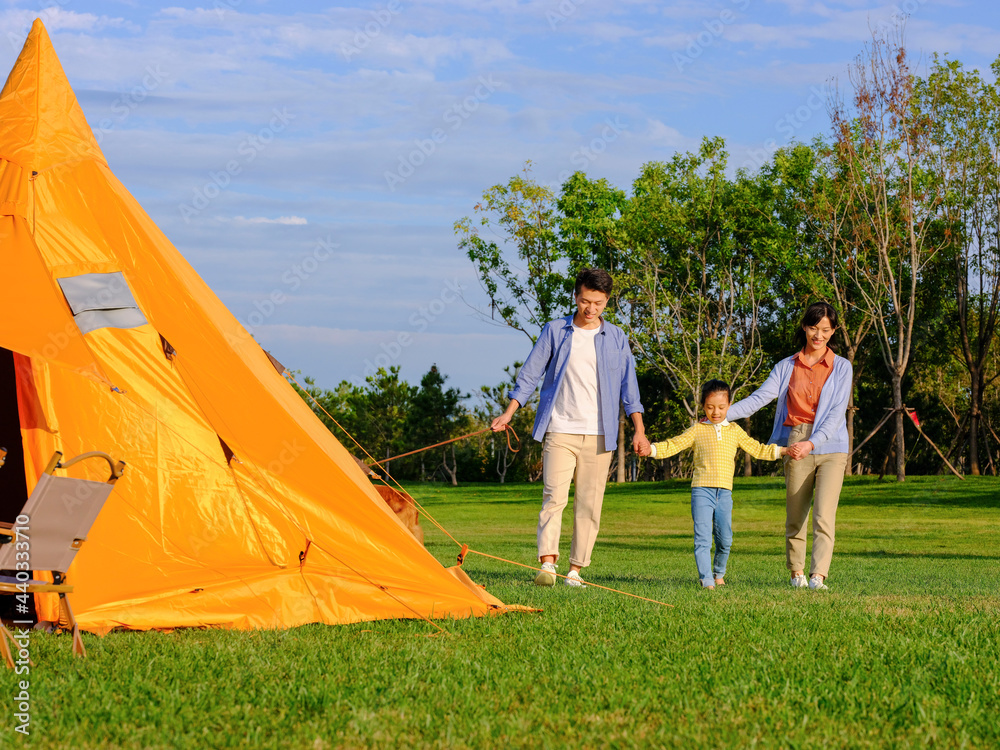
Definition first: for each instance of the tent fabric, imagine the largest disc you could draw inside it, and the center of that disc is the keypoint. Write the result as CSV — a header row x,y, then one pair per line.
x,y
238,508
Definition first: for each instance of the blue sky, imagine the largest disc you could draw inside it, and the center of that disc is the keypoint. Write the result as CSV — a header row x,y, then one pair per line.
x,y
318,154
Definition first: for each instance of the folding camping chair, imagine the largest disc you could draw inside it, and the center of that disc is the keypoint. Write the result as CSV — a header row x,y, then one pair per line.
x,y
51,528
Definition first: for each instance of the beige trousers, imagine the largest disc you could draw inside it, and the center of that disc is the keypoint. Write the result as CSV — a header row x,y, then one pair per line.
x,y
565,457
815,480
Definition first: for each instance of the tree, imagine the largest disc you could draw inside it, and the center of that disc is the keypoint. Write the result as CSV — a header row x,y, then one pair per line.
x,y
374,414
522,266
381,409
588,224
965,131
882,143
435,416
691,307
824,192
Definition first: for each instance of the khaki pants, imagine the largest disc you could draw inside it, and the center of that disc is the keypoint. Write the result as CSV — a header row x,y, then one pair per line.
x,y
564,458
816,480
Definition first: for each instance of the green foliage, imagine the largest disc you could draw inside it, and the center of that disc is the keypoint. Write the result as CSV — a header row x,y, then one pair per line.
x,y
962,112
588,222
525,461
375,415
694,298
436,415
520,261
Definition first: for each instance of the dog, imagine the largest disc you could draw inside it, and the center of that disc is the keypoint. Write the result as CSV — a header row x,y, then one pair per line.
x,y
400,503
404,507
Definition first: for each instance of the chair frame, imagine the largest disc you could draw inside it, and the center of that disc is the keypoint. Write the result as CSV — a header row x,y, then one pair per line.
x,y
10,533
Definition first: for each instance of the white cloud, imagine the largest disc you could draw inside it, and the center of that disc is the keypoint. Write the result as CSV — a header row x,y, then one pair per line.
x,y
55,19
663,135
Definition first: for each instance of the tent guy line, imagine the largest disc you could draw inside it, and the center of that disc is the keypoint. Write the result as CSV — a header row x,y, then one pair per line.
x,y
465,549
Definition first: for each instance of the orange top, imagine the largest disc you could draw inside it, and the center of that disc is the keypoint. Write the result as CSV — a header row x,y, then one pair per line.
x,y
804,388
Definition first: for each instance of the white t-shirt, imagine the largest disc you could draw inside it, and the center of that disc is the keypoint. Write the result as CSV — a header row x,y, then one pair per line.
x,y
577,407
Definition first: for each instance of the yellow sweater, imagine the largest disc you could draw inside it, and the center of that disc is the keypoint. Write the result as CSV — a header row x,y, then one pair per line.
x,y
715,451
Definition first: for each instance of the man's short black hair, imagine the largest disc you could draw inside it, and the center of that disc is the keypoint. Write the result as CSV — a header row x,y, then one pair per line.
x,y
715,386
594,278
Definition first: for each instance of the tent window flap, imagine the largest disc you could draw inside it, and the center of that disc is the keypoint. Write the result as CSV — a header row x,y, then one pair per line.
x,y
101,300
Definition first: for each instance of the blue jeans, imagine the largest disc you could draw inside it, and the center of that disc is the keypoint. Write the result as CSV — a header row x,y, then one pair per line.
x,y
712,513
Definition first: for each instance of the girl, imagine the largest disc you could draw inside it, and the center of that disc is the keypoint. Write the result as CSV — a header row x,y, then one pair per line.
x,y
715,441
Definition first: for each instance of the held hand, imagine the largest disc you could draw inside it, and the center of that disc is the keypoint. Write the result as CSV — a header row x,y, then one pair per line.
x,y
800,450
500,423
641,446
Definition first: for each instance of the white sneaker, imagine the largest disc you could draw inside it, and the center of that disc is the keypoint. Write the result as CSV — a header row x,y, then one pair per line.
x,y
547,575
800,581
573,579
816,584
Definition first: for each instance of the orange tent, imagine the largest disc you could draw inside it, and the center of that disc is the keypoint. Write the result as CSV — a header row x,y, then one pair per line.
x,y
238,507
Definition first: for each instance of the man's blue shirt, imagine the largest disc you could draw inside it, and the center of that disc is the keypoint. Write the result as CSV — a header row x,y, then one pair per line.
x,y
547,362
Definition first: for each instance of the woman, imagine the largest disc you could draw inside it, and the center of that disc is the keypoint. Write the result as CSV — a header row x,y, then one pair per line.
x,y
813,387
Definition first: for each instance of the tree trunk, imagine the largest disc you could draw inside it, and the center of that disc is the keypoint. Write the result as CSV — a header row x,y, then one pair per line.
x,y
888,455
974,413
502,463
986,448
850,434
450,471
621,445
897,402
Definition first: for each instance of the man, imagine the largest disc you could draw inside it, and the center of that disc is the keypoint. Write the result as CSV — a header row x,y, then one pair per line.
x,y
587,371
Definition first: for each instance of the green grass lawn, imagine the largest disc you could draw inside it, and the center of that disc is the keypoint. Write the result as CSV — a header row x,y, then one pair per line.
x,y
902,651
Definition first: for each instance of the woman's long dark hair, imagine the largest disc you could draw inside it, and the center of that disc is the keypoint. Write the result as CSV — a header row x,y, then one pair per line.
x,y
813,315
